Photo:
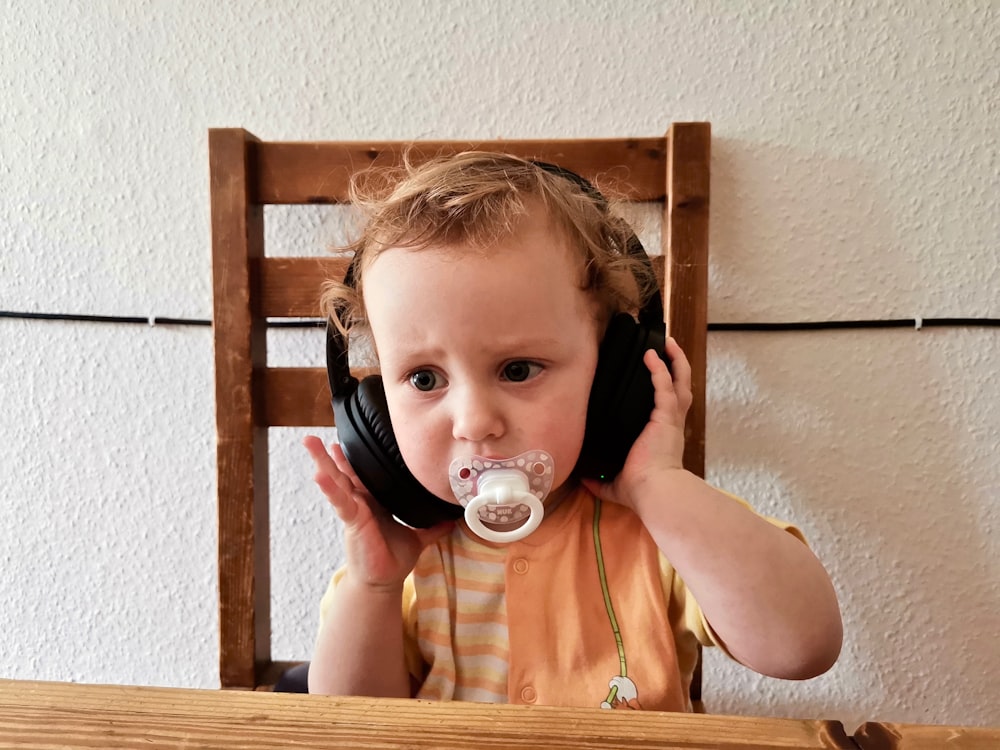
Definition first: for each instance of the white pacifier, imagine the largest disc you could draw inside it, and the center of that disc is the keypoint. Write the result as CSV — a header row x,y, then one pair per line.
x,y
502,492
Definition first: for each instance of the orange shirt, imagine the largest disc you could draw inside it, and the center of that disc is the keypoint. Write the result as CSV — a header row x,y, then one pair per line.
x,y
562,617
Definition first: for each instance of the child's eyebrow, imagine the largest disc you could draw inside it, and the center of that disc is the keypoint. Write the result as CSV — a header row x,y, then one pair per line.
x,y
513,347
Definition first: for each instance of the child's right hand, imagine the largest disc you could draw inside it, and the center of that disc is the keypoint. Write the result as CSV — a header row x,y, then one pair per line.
x,y
380,551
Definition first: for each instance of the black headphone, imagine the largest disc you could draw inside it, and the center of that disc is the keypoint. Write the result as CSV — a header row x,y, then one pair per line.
x,y
621,399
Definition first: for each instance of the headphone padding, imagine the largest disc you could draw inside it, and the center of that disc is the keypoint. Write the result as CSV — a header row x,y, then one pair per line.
x,y
621,397
365,432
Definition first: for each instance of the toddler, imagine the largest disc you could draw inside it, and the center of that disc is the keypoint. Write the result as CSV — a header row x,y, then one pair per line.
x,y
486,284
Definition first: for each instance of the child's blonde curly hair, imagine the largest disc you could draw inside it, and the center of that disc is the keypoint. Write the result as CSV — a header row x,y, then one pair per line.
x,y
477,199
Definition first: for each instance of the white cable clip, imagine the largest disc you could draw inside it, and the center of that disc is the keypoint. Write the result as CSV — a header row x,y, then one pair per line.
x,y
918,323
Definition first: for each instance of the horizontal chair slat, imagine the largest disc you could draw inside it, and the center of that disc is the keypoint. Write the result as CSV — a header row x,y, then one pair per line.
x,y
319,172
294,397
290,287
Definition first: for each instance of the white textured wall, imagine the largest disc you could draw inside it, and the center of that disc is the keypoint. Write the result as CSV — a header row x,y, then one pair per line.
x,y
855,175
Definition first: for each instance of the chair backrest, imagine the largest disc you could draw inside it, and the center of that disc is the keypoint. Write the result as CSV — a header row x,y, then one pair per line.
x,y
250,287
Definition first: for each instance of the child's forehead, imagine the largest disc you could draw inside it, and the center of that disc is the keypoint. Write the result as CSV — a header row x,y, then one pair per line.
x,y
439,298
537,224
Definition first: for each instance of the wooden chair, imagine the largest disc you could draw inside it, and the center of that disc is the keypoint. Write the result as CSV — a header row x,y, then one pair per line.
x,y
250,287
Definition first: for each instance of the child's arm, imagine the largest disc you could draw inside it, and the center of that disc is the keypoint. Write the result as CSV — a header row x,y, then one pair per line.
x,y
359,650
765,594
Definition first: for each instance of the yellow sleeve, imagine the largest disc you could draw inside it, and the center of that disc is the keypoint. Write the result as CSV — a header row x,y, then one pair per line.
x,y
327,600
411,646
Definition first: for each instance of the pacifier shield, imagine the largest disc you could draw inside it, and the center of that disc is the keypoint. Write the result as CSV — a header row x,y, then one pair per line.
x,y
506,492
465,475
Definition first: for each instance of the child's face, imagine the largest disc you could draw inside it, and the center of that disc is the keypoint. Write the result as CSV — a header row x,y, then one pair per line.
x,y
484,353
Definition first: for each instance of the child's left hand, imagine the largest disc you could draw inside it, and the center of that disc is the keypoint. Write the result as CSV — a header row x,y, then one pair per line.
x,y
659,449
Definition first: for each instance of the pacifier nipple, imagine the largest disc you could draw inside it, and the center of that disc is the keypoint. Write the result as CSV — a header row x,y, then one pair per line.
x,y
502,492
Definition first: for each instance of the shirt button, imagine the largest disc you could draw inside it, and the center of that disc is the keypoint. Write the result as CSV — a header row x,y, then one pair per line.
x,y
528,694
521,566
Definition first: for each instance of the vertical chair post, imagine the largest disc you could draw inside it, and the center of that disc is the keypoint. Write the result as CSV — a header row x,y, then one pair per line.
x,y
685,247
241,438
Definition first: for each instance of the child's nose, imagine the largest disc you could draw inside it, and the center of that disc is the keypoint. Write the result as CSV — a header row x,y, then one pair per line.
x,y
476,416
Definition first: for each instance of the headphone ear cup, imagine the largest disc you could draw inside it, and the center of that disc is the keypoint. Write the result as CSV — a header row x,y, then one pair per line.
x,y
365,432
621,397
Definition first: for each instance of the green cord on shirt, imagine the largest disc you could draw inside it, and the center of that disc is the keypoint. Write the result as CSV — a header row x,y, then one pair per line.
x,y
607,597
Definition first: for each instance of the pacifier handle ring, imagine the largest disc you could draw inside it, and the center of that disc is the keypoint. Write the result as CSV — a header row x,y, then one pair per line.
x,y
476,524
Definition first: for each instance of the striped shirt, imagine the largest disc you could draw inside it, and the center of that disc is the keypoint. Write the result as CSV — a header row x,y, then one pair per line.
x,y
460,603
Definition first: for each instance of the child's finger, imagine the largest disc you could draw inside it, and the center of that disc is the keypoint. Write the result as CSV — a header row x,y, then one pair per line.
x,y
344,465
333,463
681,368
345,504
315,447
360,491
679,364
664,398
340,491
657,368
323,460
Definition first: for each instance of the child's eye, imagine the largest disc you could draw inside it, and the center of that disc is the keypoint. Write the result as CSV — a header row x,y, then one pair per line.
x,y
424,380
521,370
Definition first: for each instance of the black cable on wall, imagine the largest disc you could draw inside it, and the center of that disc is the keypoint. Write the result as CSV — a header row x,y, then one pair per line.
x,y
828,325
836,325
